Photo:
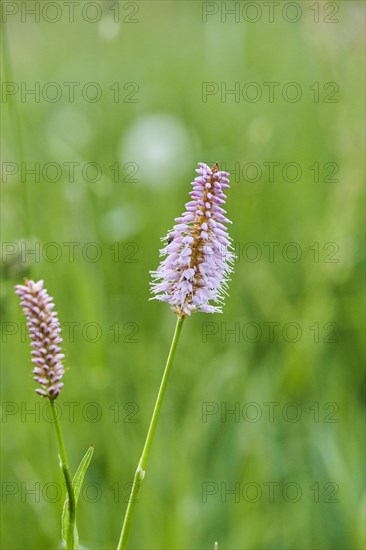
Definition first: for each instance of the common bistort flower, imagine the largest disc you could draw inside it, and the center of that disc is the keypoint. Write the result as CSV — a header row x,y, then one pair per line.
x,y
44,331
198,252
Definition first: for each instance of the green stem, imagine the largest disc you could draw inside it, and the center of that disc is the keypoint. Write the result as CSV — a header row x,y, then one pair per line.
x,y
140,472
70,545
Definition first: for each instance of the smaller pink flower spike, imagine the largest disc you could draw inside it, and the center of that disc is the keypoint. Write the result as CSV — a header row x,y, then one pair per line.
x,y
44,331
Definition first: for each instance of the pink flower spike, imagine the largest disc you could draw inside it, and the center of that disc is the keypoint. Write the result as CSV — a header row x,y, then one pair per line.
x,y
190,278
44,329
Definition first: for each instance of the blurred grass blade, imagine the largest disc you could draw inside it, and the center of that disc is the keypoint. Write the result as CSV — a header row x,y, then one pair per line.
x,y
77,484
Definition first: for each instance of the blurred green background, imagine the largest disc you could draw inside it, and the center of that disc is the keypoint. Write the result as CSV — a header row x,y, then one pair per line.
x,y
309,449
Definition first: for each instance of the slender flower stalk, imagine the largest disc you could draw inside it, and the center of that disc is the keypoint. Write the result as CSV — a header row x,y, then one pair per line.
x,y
193,274
70,542
44,331
140,471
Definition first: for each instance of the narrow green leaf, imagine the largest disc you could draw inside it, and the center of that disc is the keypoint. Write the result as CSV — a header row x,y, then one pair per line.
x,y
77,484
